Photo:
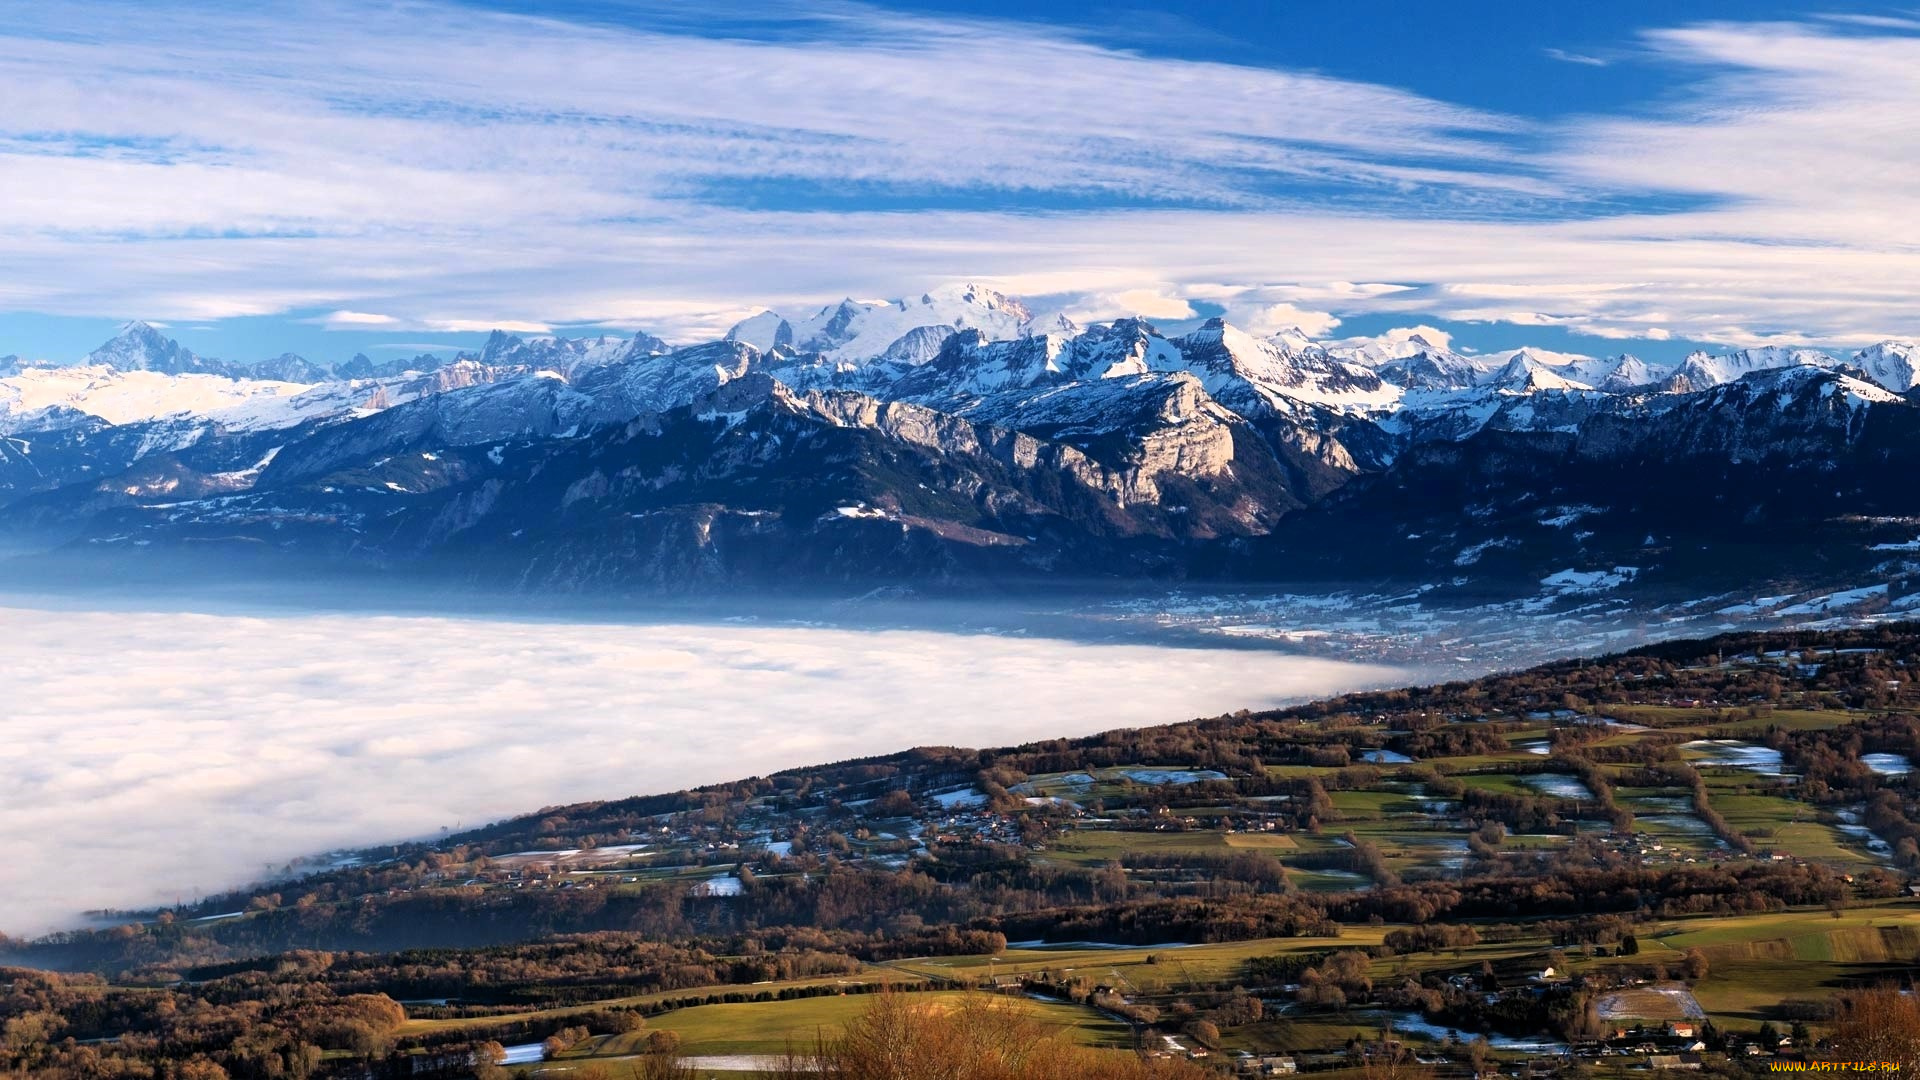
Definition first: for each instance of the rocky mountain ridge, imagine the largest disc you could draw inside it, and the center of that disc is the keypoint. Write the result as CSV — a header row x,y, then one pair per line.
x,y
960,439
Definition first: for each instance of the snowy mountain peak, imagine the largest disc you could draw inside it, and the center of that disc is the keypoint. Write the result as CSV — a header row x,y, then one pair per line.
x,y
1526,375
1893,364
1292,339
1432,369
1217,331
1701,370
835,325
978,296
1797,385
564,356
140,347
1123,347
1628,373
865,330
1251,375
498,341
765,331
292,368
921,344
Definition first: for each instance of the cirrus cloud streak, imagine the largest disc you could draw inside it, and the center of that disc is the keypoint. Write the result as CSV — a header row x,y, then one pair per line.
x,y
227,162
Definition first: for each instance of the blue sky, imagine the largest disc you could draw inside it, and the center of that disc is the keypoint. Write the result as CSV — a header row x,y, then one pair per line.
x,y
348,175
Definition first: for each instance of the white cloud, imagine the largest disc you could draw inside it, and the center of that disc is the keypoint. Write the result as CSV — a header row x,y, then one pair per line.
x,y
1086,307
361,320
150,755
325,118
1564,56
1551,357
1272,318
463,326
357,320
1332,292
221,163
1399,340
1805,136
1877,22
1153,304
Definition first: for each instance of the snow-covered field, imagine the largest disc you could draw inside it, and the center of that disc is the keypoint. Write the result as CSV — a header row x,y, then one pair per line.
x,y
153,755
1887,764
1573,613
1761,759
1560,787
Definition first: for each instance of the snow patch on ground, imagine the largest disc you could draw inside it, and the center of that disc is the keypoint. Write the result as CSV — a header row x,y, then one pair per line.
x,y
1563,516
724,885
1276,633
1470,555
1578,582
1631,1004
1821,604
1887,764
1754,607
1171,776
1557,785
1761,759
524,1054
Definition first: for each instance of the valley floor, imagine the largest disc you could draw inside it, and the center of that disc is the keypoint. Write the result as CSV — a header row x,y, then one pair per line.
x,y
1691,854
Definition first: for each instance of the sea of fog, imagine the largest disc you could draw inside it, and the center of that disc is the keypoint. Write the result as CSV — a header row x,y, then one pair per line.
x,y
152,756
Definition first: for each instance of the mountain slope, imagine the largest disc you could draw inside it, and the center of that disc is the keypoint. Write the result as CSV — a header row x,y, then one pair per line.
x,y
751,482
1785,475
961,438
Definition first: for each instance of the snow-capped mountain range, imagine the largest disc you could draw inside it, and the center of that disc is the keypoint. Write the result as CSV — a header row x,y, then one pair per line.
x,y
875,346
953,435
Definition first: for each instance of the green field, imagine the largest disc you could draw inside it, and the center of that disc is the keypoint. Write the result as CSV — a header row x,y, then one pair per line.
x,y
1754,963
1786,825
1263,842
1701,721
1148,970
773,1027
1099,846
865,978
1361,805
1503,783
1757,961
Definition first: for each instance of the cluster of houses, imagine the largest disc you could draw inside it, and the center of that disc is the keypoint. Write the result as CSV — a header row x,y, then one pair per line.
x,y
1676,1044
1648,848
974,825
1248,1064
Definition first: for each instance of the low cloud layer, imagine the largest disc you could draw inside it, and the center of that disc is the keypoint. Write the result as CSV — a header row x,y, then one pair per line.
x,y
152,755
